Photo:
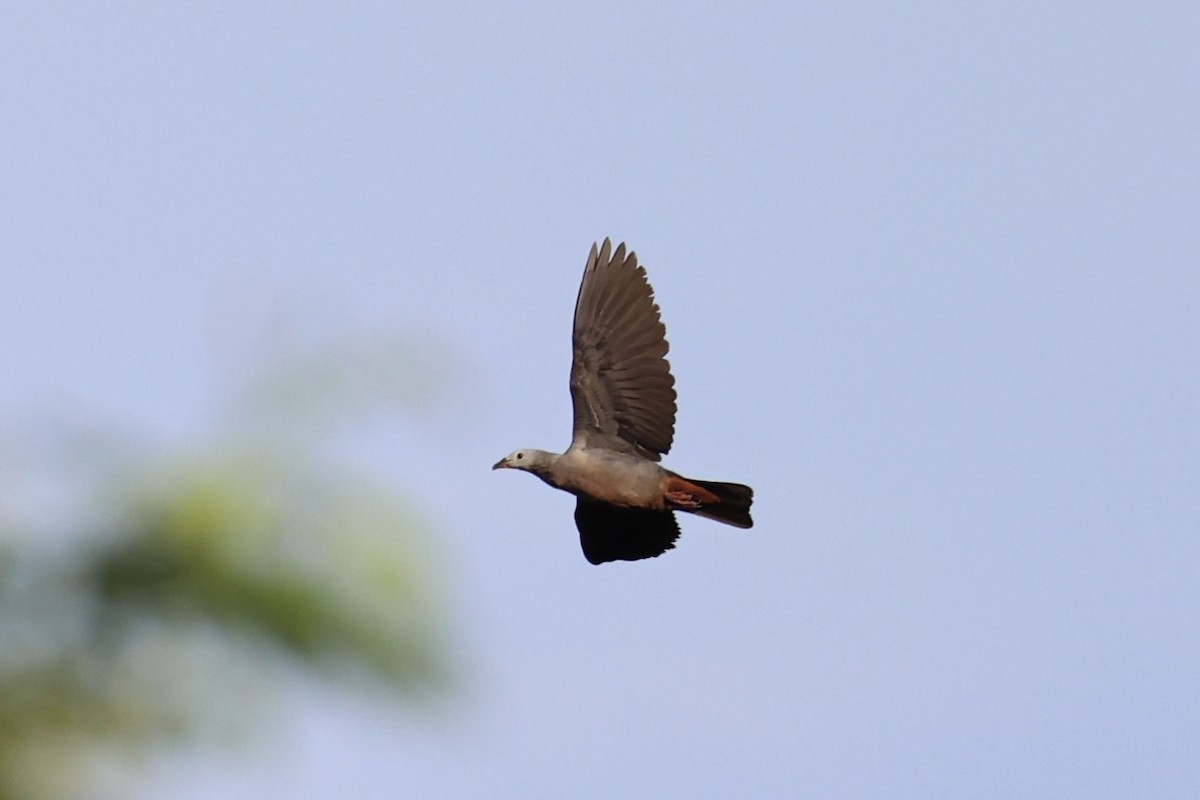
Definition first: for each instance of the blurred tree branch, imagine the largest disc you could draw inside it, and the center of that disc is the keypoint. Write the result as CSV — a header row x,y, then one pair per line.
x,y
182,574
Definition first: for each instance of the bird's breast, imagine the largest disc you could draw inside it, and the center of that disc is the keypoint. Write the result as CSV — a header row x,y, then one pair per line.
x,y
615,478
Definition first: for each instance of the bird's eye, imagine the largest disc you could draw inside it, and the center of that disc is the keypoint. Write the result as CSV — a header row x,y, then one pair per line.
x,y
520,456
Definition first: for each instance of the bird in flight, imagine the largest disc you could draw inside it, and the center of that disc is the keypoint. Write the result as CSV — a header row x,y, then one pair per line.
x,y
624,402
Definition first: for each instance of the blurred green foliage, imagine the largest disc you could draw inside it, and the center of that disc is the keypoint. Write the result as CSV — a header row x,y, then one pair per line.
x,y
179,583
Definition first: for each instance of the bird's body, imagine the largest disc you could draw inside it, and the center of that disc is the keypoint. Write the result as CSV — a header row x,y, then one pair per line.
x,y
624,400
608,476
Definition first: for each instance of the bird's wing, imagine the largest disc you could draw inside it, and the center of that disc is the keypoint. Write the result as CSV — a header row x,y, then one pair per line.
x,y
621,383
613,533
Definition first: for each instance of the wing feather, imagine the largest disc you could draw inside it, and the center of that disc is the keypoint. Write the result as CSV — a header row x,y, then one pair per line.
x,y
609,533
621,384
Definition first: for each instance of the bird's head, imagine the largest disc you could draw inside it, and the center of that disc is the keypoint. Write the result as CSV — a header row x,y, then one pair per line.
x,y
536,461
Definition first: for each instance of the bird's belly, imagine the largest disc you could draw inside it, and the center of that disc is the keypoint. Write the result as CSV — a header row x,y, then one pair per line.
x,y
620,484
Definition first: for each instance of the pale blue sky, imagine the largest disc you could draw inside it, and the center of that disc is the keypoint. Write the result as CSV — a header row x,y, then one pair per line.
x,y
930,275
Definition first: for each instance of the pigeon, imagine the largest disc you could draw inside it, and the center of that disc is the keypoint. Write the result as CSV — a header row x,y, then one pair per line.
x,y
623,395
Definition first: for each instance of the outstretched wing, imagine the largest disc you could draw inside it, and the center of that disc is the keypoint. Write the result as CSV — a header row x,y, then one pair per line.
x,y
612,533
621,383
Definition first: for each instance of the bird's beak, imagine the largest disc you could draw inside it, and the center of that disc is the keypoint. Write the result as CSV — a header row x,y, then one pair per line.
x,y
501,464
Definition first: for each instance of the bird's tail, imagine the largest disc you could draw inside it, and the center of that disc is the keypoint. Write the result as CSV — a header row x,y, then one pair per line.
x,y
732,506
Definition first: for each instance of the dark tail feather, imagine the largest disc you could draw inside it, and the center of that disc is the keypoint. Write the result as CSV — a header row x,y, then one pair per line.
x,y
732,506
